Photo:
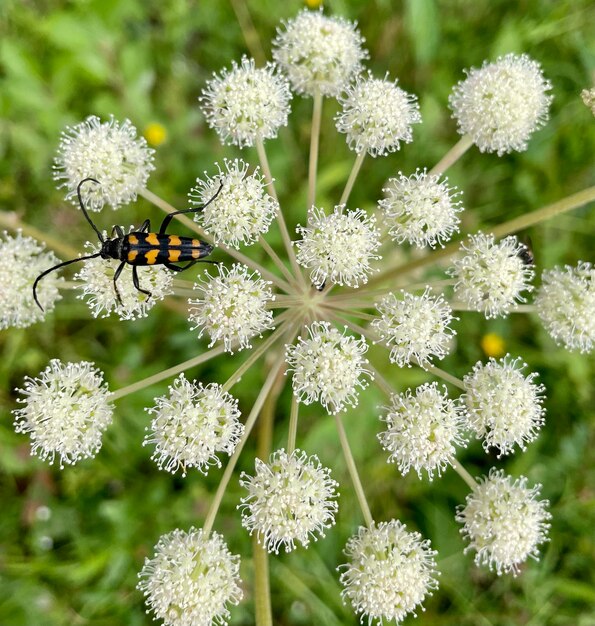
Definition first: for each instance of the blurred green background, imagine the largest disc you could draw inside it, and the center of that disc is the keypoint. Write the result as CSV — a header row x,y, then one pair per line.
x,y
72,541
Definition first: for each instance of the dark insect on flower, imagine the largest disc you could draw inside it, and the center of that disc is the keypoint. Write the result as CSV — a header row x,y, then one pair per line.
x,y
141,247
526,252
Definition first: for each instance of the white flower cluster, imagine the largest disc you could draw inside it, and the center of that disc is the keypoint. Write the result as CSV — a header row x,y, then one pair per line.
x,y
318,53
109,152
231,307
65,411
328,366
423,429
490,277
504,522
501,104
420,209
242,209
191,579
192,424
23,259
389,572
290,499
338,247
414,328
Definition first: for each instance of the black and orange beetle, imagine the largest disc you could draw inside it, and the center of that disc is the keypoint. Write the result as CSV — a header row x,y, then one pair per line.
x,y
141,247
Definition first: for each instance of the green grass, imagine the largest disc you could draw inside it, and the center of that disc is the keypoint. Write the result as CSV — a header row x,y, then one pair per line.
x,y
148,61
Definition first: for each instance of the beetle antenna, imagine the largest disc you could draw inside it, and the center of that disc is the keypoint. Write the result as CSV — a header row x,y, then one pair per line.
x,y
78,193
81,258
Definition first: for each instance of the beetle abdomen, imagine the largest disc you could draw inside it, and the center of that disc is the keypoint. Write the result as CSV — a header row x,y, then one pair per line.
x,y
153,249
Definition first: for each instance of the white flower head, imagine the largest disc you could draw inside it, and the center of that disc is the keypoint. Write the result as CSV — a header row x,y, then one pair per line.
x,y
505,406
291,499
243,209
504,522
338,247
97,276
501,104
192,424
319,53
389,572
490,277
65,411
377,115
420,209
192,579
414,328
232,307
111,153
246,104
565,302
23,260
328,366
423,429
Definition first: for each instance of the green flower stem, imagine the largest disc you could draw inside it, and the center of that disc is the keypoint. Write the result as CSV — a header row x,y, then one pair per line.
x,y
168,373
250,421
353,473
264,163
314,141
506,228
464,474
10,220
262,593
293,423
381,382
260,350
263,614
249,33
277,261
192,225
449,378
350,310
453,155
359,159
519,308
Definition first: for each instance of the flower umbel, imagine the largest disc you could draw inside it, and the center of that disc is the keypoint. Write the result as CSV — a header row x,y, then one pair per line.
x,y
23,259
192,424
338,247
328,367
414,328
247,104
319,53
291,499
389,573
231,307
502,104
242,210
420,209
65,411
505,406
192,579
504,522
109,152
423,429
565,302
490,277
377,115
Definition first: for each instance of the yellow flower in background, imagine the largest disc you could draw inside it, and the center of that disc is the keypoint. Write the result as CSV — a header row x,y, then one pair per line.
x,y
493,345
155,134
313,4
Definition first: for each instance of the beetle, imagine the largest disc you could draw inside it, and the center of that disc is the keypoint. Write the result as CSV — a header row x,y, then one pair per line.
x,y
141,247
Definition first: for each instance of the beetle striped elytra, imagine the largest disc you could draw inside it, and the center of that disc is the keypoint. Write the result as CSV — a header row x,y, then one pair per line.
x,y
141,247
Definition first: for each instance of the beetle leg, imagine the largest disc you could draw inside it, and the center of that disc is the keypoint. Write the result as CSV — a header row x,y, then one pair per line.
x,y
168,218
118,230
137,284
116,276
145,227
